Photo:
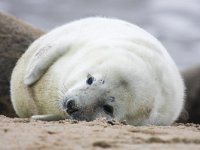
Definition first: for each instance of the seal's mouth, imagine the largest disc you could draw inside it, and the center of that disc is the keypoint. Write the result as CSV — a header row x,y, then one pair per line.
x,y
79,115
72,111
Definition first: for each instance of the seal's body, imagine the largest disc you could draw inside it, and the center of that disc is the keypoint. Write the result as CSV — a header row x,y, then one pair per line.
x,y
98,67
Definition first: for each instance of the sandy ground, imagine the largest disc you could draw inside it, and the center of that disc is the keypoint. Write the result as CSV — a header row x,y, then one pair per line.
x,y
100,134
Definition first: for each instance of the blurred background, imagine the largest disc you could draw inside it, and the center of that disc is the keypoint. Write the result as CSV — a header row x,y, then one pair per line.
x,y
176,23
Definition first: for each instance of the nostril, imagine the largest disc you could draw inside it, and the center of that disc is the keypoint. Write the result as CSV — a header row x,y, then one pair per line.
x,y
70,104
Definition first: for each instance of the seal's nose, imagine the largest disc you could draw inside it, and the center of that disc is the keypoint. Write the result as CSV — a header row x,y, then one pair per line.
x,y
71,106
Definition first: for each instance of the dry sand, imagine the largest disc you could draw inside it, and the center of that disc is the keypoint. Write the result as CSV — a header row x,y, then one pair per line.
x,y
100,134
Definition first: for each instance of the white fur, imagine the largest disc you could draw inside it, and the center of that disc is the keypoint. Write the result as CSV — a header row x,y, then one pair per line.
x,y
111,50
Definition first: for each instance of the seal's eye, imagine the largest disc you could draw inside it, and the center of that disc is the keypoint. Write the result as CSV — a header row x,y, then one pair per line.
x,y
90,80
108,109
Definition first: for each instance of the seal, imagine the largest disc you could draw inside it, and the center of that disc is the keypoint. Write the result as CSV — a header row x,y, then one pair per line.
x,y
98,67
191,113
15,36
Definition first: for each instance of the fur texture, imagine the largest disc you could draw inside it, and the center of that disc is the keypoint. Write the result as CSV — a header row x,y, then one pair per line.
x,y
133,77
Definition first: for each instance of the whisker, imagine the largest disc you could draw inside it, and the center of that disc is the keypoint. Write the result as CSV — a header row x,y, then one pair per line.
x,y
61,94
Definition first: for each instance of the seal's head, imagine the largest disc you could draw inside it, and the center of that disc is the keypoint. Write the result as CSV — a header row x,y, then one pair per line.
x,y
97,96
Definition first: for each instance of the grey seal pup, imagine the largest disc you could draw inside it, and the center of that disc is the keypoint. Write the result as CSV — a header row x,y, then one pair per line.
x,y
98,67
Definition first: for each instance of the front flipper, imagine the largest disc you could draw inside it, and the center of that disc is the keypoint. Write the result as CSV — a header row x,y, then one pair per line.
x,y
43,58
49,117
